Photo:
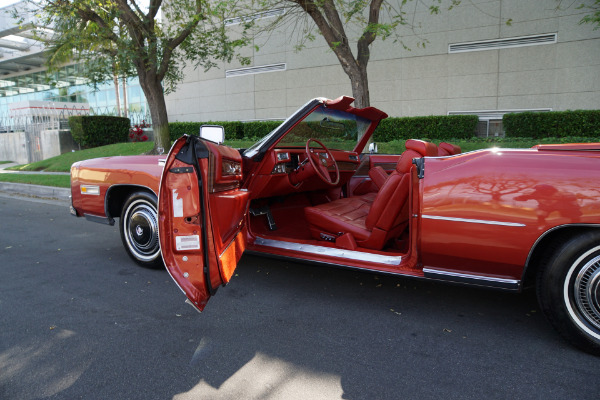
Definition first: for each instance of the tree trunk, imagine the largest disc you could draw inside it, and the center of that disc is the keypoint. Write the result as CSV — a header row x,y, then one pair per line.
x,y
124,82
158,111
360,88
116,82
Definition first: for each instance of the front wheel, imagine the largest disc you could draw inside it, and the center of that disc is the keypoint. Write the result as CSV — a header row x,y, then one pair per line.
x,y
139,229
568,290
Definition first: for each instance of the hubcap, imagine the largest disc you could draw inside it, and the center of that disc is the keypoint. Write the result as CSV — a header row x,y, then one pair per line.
x,y
587,291
142,231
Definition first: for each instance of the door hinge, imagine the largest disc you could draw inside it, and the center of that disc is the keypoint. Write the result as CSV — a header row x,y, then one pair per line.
x,y
182,170
420,163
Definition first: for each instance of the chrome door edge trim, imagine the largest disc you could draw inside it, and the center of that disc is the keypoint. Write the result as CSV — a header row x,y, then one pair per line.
x,y
501,283
474,221
328,251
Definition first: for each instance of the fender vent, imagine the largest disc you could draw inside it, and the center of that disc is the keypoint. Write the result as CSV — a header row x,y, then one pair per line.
x,y
255,70
496,44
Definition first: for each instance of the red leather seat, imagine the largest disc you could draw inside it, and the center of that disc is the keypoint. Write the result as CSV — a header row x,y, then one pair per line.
x,y
447,149
372,219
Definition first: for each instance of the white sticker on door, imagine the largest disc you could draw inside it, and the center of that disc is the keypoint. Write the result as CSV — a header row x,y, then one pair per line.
x,y
191,242
177,205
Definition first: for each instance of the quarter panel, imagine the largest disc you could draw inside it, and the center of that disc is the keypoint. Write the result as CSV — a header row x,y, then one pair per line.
x,y
483,211
105,172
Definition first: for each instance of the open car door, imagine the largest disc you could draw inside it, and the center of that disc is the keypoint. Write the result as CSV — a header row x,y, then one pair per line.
x,y
201,212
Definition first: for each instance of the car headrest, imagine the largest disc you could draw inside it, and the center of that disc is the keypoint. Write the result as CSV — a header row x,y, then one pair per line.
x,y
415,149
422,147
448,149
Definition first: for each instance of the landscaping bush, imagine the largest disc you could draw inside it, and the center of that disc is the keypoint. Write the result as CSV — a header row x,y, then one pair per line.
x,y
434,127
259,129
233,129
98,130
552,124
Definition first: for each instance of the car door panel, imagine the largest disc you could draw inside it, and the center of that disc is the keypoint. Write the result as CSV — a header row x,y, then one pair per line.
x,y
201,224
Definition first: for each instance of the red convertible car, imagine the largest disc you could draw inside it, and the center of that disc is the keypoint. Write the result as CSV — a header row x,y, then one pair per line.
x,y
498,218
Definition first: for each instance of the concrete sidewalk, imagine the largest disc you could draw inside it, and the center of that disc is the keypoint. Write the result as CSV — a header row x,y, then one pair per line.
x,y
23,189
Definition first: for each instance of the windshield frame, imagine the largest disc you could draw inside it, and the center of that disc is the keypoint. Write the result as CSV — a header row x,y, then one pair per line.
x,y
257,151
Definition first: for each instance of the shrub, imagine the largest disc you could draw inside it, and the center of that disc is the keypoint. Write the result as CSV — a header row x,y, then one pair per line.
x,y
233,129
434,127
259,129
552,124
98,130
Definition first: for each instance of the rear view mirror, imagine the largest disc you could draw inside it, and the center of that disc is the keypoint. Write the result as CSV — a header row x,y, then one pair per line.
x,y
373,148
213,133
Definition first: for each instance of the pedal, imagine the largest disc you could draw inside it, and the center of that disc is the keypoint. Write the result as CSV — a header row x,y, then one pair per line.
x,y
265,210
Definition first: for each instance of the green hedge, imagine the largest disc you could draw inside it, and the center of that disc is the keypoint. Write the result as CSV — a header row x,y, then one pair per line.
x,y
259,129
233,129
98,130
552,124
434,127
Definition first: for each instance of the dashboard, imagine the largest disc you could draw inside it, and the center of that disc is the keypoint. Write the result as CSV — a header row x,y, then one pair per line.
x,y
273,175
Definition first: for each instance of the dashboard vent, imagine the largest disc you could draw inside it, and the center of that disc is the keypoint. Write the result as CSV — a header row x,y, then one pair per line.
x,y
255,70
496,44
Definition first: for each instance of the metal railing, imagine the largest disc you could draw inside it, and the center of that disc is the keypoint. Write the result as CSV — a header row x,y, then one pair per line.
x,y
135,117
51,118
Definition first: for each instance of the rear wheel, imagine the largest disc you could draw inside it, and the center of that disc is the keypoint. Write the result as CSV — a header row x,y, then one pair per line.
x,y
139,229
568,291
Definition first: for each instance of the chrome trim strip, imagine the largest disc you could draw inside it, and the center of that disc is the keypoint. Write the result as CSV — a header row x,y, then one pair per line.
x,y
329,251
474,221
510,284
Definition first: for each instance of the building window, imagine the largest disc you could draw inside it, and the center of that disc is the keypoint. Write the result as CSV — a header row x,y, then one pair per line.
x,y
255,70
264,14
506,43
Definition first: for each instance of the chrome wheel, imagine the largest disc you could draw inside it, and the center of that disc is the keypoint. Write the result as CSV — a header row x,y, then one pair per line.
x,y
139,229
582,293
568,289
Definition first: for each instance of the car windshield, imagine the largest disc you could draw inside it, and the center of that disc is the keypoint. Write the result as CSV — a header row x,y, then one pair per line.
x,y
334,128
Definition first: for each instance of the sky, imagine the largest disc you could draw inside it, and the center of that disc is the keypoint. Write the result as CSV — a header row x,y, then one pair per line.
x,y
4,3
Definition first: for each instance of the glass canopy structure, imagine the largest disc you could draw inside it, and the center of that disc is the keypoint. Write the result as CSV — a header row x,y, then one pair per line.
x,y
24,76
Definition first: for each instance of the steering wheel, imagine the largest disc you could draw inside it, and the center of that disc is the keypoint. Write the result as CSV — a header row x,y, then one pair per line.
x,y
321,165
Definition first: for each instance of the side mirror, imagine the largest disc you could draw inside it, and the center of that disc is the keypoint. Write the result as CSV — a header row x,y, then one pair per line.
x,y
373,148
213,133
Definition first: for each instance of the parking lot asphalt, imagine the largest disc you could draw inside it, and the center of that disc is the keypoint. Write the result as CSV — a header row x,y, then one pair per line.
x,y
80,320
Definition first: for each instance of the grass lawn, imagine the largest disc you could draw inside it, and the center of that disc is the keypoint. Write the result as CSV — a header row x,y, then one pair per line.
x,y
35,179
63,162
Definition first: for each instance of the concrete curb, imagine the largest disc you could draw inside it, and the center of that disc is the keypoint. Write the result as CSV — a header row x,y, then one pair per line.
x,y
48,192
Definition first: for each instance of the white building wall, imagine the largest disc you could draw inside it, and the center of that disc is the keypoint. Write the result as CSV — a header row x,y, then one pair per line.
x,y
423,81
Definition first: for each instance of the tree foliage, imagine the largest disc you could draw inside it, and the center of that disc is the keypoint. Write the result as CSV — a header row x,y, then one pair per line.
x,y
122,37
594,13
